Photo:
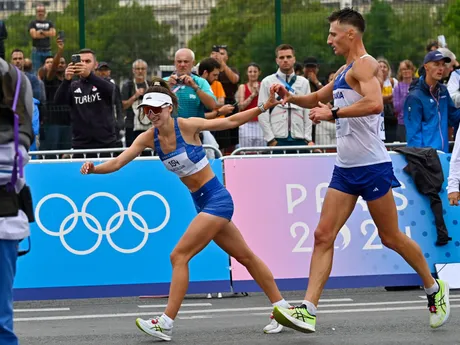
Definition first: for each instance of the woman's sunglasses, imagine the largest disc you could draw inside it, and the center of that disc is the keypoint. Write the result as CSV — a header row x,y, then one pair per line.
x,y
149,110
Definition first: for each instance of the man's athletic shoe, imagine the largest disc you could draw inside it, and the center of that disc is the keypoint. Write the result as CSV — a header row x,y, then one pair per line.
x,y
297,318
273,327
155,327
439,306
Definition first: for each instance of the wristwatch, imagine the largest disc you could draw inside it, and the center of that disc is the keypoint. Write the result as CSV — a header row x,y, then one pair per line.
x,y
261,107
334,112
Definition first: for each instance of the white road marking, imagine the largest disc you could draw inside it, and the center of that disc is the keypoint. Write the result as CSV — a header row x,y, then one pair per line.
x,y
223,310
325,300
183,305
450,295
37,310
106,316
378,303
195,317
363,310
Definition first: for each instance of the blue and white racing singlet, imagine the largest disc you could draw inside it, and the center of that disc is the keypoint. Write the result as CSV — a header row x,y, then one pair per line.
x,y
358,138
186,159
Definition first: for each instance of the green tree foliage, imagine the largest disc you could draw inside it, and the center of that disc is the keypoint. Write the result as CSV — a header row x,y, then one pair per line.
x,y
119,35
296,31
410,36
396,32
451,20
230,22
380,23
125,34
18,34
248,29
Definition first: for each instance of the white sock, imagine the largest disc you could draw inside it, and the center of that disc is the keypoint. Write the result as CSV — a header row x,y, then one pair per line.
x,y
167,320
433,289
310,307
282,304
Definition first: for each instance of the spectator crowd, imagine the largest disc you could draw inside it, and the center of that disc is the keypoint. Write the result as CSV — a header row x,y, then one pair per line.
x,y
79,106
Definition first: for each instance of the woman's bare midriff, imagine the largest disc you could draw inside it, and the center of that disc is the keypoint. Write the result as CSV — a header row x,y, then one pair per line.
x,y
199,179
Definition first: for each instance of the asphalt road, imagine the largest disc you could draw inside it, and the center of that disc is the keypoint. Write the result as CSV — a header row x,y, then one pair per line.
x,y
370,316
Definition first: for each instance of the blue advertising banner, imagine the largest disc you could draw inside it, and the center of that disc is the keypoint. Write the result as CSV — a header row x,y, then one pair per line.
x,y
111,235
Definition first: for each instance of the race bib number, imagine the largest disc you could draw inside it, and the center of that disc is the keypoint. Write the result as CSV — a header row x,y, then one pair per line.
x,y
342,127
382,127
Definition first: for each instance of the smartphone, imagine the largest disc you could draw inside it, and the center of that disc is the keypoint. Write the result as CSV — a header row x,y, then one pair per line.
x,y
235,104
75,58
61,36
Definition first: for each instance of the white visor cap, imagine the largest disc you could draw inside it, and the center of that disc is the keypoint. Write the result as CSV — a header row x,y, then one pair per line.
x,y
155,99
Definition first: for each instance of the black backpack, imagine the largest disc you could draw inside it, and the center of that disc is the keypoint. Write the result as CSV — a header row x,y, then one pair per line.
x,y
8,91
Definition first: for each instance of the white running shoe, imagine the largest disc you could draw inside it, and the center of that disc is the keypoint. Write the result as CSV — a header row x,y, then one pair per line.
x,y
273,327
155,327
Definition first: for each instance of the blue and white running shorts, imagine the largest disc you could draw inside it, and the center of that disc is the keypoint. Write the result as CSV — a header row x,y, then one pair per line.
x,y
214,198
370,181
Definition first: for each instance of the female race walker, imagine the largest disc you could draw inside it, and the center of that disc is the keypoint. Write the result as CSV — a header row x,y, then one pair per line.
x,y
178,145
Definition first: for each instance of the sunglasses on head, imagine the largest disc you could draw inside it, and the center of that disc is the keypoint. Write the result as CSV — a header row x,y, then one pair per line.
x,y
217,47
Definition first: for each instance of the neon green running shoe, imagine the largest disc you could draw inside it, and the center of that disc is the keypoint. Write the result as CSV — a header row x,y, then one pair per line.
x,y
297,318
439,305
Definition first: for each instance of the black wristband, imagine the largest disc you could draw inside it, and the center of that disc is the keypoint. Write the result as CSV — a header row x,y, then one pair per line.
x,y
335,111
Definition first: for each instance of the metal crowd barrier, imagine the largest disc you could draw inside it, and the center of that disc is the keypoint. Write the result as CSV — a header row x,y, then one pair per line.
x,y
68,154
302,149
295,149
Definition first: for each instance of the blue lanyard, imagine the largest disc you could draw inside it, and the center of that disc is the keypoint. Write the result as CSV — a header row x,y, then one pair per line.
x,y
286,85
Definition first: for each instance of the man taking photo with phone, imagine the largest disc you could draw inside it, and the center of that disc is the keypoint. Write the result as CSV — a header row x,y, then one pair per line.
x,y
90,101
209,70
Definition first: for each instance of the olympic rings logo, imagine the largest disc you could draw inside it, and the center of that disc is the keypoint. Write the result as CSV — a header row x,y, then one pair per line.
x,y
110,228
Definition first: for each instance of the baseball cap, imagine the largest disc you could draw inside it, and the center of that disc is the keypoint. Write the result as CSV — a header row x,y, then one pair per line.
x,y
435,55
310,61
446,52
155,99
103,64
